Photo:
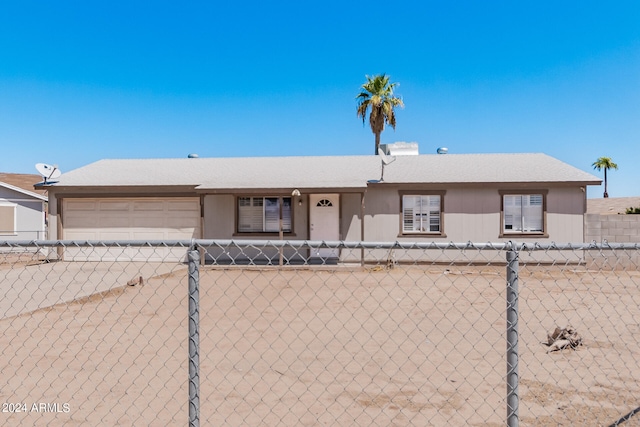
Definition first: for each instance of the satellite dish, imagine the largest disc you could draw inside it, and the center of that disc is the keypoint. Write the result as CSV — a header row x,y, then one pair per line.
x,y
48,172
385,161
442,150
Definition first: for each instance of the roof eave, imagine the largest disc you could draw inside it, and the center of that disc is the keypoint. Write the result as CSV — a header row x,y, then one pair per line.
x,y
279,190
120,189
23,191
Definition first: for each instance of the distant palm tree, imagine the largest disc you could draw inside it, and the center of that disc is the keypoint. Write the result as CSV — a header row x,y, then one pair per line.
x,y
605,163
377,94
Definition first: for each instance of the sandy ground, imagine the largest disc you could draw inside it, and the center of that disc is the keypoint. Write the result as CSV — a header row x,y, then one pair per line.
x,y
407,346
28,284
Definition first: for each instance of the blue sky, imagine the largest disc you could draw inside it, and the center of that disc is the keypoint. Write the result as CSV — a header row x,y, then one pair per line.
x,y
82,81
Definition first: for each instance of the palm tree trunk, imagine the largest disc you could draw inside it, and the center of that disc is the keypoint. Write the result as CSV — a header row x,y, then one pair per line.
x,y
605,183
377,142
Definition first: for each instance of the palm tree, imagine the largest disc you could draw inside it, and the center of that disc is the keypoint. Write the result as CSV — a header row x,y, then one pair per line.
x,y
605,163
377,94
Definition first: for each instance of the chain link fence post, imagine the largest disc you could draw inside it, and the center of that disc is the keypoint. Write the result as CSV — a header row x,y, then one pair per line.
x,y
512,337
194,337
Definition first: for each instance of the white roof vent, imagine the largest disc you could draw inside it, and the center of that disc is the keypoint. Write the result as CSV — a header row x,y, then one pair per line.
x,y
442,150
400,149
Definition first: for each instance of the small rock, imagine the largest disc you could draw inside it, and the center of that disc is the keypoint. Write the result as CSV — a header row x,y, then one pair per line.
x,y
135,281
562,338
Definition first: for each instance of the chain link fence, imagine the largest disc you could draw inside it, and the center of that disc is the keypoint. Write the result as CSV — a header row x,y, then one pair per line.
x,y
318,333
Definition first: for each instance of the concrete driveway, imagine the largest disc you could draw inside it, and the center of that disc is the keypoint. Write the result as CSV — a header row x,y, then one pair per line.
x,y
26,288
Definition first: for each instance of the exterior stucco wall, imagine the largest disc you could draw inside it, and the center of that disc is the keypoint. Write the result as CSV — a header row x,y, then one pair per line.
x,y
220,223
469,214
29,216
52,217
473,215
565,215
30,220
350,225
381,214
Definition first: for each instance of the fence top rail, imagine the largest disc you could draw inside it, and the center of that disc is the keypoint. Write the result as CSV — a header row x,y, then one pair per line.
x,y
302,244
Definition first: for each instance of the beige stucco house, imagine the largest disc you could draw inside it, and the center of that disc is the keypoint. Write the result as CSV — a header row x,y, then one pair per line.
x,y
439,198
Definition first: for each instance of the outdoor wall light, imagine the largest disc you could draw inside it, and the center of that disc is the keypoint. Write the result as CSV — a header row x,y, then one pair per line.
x,y
296,193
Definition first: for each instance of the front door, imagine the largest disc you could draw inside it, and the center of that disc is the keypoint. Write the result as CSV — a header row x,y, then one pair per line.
x,y
324,222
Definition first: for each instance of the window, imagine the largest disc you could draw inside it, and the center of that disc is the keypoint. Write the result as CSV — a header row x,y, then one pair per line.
x,y
523,213
421,214
7,218
262,215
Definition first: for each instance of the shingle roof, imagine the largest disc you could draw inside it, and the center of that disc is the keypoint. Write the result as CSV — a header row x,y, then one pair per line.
x,y
484,168
22,180
325,172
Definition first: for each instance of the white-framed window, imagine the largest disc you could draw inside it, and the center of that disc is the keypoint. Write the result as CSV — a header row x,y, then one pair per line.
x,y
7,218
523,213
262,214
421,213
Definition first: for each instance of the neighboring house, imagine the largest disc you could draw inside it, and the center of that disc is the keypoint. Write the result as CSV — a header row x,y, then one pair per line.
x,y
22,212
441,198
26,181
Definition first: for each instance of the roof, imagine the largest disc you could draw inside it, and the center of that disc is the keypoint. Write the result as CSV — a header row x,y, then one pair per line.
x,y
612,205
325,171
22,191
25,181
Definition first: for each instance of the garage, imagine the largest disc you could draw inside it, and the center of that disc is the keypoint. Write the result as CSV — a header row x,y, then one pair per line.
x,y
141,219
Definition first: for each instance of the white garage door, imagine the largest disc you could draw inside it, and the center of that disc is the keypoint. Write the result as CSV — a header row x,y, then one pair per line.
x,y
176,218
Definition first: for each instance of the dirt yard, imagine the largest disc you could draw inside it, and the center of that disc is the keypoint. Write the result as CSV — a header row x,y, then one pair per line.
x,y
407,346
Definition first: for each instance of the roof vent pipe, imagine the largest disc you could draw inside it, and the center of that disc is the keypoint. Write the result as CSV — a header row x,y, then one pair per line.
x,y
442,150
192,156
